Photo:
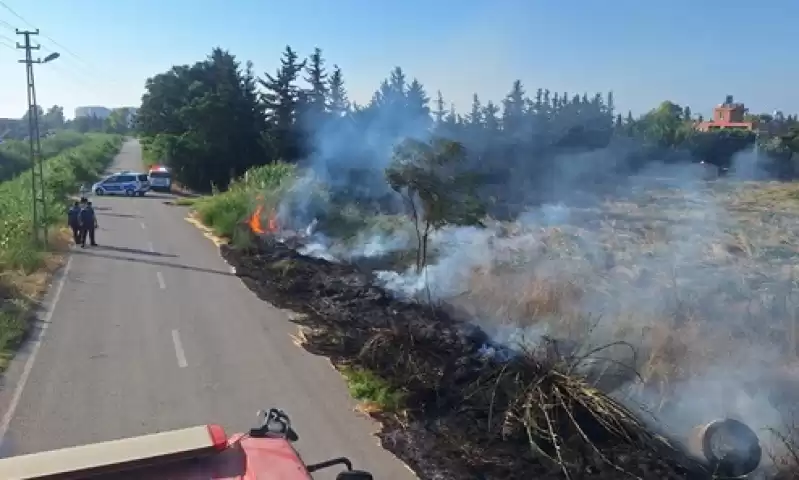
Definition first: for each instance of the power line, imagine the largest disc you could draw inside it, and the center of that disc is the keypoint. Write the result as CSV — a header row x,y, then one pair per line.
x,y
3,23
83,65
62,47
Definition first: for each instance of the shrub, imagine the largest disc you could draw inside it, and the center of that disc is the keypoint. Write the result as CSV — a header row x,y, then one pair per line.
x,y
223,211
14,154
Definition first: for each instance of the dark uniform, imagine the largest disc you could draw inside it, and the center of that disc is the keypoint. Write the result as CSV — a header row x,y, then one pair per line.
x,y
74,222
88,224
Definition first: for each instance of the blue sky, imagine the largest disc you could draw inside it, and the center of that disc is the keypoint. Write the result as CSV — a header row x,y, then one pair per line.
x,y
689,51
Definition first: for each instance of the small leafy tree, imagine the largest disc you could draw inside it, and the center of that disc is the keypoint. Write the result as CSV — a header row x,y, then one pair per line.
x,y
427,175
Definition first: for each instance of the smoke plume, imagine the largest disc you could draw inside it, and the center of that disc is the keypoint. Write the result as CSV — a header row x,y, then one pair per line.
x,y
668,289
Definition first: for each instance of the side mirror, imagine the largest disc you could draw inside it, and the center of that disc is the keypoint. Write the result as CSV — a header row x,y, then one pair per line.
x,y
354,475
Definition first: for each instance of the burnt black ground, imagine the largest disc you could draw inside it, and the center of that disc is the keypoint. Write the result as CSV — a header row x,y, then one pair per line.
x,y
461,423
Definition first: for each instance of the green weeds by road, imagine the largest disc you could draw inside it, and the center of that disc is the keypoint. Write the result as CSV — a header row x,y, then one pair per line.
x,y
14,154
262,185
24,266
374,392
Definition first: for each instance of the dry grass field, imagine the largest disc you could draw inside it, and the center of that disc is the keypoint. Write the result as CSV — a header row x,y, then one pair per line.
x,y
680,301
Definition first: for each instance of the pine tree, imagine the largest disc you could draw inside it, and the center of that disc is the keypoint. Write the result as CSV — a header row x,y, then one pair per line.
x,y
610,103
490,117
513,109
394,95
417,102
383,97
337,94
316,94
475,117
539,101
440,111
281,99
281,90
452,119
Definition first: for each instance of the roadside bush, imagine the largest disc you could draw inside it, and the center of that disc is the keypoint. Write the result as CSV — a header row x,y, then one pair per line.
x,y
62,175
260,185
14,154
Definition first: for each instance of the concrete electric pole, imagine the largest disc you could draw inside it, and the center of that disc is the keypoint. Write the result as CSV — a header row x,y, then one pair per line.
x,y
37,170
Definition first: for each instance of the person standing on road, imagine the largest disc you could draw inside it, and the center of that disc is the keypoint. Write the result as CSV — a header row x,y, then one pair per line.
x,y
88,224
74,222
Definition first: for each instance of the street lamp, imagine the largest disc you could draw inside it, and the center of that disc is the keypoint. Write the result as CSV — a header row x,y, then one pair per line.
x,y
51,57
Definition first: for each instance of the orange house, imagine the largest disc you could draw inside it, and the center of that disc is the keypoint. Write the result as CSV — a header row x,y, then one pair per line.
x,y
728,115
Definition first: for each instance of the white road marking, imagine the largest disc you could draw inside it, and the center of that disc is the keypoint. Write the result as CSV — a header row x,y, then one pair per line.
x,y
161,283
150,246
26,371
143,226
179,350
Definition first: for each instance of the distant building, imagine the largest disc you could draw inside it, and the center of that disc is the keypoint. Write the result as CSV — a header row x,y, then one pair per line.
x,y
93,111
727,116
131,116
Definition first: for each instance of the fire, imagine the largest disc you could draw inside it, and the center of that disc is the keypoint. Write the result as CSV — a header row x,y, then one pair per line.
x,y
255,221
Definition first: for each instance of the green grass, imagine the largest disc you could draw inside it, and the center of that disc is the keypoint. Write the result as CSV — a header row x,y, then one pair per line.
x,y
14,315
366,386
187,202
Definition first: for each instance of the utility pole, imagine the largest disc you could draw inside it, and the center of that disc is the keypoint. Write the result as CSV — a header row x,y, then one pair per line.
x,y
37,169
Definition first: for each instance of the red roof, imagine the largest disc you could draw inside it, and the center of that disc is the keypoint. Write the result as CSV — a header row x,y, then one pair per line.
x,y
723,124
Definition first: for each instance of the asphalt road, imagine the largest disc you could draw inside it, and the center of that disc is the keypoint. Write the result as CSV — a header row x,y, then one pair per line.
x,y
150,331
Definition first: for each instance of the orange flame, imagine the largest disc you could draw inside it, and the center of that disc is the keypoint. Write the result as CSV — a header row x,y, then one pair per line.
x,y
255,221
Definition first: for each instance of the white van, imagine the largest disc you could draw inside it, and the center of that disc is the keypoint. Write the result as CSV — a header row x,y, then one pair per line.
x,y
127,183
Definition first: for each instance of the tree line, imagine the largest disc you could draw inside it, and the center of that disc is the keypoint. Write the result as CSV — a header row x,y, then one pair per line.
x,y
53,120
213,120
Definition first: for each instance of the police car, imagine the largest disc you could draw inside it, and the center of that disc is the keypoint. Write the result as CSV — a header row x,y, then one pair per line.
x,y
125,183
160,178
